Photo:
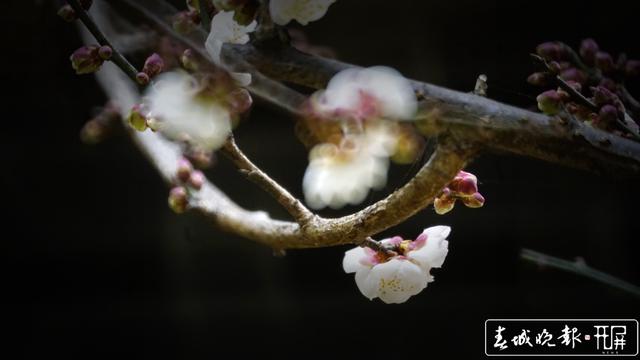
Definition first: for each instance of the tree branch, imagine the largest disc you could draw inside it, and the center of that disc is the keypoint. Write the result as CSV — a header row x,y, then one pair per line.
x,y
580,268
295,208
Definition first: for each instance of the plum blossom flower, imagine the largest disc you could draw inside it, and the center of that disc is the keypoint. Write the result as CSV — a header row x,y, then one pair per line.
x,y
360,94
343,174
303,11
405,272
463,187
184,111
224,29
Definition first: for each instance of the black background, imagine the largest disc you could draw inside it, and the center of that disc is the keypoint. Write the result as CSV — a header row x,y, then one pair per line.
x,y
96,265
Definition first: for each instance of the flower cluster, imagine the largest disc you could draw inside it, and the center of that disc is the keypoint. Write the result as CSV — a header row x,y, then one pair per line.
x,y
463,187
590,74
353,120
403,270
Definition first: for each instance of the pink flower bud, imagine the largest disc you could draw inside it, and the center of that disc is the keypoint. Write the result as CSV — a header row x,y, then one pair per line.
x,y
573,74
549,102
588,50
105,52
608,115
537,79
196,180
464,184
178,199
184,169
86,60
142,78
608,84
66,13
153,65
602,96
604,61
239,101
550,51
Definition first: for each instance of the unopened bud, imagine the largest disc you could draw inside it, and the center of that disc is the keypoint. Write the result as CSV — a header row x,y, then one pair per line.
x,y
66,13
188,60
184,169
464,184
549,102
196,180
86,60
573,74
608,84
604,61
588,50
178,199
608,114
239,101
138,117
93,132
603,96
105,52
550,51
537,79
142,78
153,65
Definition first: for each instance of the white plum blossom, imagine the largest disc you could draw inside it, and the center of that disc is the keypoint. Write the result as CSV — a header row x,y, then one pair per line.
x,y
224,29
360,94
303,11
182,112
394,279
343,174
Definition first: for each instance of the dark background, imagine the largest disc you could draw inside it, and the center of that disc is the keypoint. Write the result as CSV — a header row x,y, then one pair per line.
x,y
96,265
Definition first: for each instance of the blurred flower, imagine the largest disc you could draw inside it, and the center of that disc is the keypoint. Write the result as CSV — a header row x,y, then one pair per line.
x,y
224,29
303,11
178,199
360,94
186,112
406,272
343,174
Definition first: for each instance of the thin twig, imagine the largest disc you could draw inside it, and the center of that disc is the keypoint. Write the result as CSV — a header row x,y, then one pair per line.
x,y
116,57
377,246
580,268
295,208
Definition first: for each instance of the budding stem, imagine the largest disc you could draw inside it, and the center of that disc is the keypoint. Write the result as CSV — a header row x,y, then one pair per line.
x,y
116,57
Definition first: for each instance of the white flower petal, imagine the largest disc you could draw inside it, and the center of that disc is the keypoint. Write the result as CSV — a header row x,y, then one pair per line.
x,y
171,101
304,11
352,261
433,253
367,288
392,94
396,281
224,29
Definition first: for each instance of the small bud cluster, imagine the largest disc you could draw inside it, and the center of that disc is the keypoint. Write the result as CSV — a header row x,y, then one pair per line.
x,y
463,187
153,66
187,180
89,58
594,75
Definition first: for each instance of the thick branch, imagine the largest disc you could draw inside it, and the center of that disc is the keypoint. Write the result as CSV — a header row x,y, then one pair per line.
x,y
494,125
